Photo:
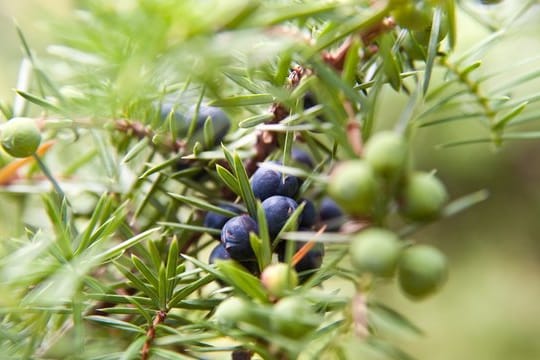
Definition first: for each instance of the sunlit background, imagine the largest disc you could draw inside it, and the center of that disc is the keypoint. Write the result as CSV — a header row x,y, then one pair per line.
x,y
489,308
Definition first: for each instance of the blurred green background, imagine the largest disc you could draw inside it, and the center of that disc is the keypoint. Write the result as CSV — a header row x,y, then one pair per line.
x,y
488,309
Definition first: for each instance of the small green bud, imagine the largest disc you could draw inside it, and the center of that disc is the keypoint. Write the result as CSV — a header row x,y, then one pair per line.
x,y
279,278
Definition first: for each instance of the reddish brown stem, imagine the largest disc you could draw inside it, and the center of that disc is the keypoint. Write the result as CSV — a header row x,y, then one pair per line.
x,y
266,142
141,131
151,334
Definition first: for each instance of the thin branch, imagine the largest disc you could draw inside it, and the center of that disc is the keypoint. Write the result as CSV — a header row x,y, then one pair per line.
x,y
151,334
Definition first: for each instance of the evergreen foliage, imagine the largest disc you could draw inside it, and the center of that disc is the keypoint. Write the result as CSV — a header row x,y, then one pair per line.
x,y
134,102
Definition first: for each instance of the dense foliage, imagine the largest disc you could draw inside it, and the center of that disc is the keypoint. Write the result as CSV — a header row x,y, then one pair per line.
x,y
218,171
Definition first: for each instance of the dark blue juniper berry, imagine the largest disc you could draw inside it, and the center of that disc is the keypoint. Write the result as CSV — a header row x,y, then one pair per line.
x,y
331,214
266,182
309,100
277,210
235,237
220,121
219,253
312,260
302,157
309,214
216,221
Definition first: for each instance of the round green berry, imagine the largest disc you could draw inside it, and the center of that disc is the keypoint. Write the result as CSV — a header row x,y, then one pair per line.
x,y
279,278
422,269
423,197
233,310
375,251
386,152
20,137
294,317
353,186
412,16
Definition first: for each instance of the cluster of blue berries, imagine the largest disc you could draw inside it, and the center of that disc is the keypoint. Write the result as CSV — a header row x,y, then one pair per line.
x,y
278,193
181,120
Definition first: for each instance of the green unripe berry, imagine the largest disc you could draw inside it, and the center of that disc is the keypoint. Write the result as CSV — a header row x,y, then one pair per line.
x,y
232,310
413,17
414,49
279,278
353,186
386,152
20,137
422,36
422,269
375,251
293,317
423,197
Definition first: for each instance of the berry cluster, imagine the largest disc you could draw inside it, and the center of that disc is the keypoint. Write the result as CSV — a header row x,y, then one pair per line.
x,y
278,193
372,189
292,316
368,188
214,119
219,121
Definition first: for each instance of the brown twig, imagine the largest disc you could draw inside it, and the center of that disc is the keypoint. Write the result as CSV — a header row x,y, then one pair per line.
x,y
336,59
151,334
141,131
266,141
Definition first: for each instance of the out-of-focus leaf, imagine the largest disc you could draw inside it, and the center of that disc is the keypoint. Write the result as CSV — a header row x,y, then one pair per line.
x,y
350,67
134,349
168,354
278,13
244,100
392,317
242,280
450,11
465,202
115,323
385,348
255,120
512,114
390,64
136,150
433,45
